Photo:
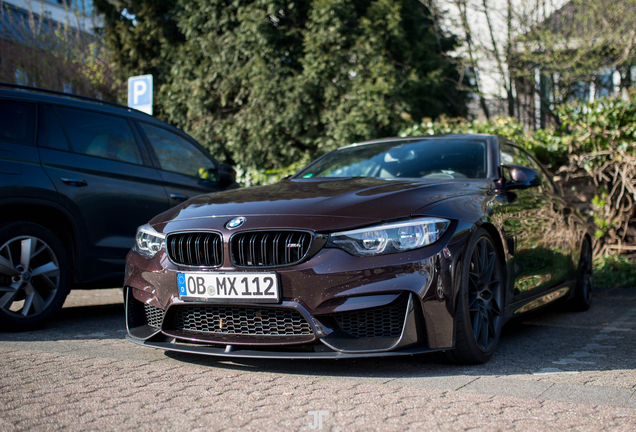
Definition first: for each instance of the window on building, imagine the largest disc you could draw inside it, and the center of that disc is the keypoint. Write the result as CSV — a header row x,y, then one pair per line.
x,y
22,77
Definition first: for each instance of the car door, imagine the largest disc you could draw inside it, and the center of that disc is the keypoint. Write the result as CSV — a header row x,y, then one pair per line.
x,y
531,217
186,168
104,178
559,231
20,173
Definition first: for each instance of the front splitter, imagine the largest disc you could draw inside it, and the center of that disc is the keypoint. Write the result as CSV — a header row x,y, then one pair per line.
x,y
239,352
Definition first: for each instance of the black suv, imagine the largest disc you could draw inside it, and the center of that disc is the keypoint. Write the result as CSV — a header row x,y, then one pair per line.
x,y
76,179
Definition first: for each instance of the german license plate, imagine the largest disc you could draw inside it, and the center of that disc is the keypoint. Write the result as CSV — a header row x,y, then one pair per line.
x,y
230,287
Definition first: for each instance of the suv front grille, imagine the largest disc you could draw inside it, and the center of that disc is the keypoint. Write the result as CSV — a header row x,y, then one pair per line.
x,y
242,320
203,249
270,248
385,321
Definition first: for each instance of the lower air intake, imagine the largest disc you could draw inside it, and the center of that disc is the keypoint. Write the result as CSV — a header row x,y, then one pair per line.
x,y
219,319
385,321
154,315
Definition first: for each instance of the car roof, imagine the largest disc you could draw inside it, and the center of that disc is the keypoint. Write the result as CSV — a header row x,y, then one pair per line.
x,y
34,94
418,138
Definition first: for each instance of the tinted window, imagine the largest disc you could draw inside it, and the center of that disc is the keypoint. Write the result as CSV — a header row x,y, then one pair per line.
x,y
177,154
100,135
17,122
429,158
515,156
55,137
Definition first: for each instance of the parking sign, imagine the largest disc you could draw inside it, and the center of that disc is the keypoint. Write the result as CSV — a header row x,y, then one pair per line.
x,y
140,93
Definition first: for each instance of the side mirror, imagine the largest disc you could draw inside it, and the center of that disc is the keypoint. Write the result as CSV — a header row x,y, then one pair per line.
x,y
227,175
520,177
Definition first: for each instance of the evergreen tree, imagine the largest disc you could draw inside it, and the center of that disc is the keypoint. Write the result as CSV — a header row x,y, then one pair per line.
x,y
261,82
142,36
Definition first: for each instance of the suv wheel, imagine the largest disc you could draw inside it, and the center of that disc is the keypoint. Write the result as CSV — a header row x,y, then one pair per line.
x,y
34,275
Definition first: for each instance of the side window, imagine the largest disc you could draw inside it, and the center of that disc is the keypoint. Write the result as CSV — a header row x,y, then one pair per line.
x,y
17,122
177,155
100,135
515,156
55,136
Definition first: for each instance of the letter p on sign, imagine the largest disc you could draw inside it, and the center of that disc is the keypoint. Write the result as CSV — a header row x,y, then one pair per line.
x,y
140,93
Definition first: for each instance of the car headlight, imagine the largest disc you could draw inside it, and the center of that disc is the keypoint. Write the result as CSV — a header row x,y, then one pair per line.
x,y
148,241
390,238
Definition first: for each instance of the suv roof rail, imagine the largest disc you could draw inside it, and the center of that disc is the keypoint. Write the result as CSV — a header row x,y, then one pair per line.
x,y
68,95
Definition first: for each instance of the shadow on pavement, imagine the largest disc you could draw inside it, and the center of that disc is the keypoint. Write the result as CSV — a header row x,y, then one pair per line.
x,y
549,341
552,341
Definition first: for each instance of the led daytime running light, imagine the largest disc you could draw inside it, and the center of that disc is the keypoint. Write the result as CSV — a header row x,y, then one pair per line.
x,y
390,238
148,241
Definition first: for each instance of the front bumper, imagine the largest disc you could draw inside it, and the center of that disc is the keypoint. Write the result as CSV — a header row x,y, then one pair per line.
x,y
395,328
239,352
359,308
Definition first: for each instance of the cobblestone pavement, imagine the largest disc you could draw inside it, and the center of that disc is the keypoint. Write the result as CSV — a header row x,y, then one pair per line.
x,y
555,371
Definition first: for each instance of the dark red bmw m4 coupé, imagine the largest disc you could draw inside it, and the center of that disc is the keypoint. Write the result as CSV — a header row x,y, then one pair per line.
x,y
391,247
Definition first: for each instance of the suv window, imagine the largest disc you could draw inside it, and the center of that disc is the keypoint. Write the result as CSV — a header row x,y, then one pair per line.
x,y
17,120
101,135
177,154
55,136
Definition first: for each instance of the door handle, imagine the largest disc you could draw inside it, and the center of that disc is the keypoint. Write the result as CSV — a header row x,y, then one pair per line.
x,y
74,182
178,197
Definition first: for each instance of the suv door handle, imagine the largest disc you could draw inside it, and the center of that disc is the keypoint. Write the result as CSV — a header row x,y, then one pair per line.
x,y
74,182
179,197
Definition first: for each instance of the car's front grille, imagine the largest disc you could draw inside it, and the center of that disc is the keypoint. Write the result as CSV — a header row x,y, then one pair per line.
x,y
385,321
270,248
202,249
154,315
242,320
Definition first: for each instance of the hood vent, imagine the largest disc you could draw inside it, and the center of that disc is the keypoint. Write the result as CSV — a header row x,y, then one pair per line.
x,y
196,249
270,248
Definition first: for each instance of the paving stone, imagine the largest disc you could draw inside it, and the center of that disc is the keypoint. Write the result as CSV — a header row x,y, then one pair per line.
x,y
80,374
594,395
506,387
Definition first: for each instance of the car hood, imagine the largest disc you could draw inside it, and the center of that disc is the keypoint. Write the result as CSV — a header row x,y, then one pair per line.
x,y
316,203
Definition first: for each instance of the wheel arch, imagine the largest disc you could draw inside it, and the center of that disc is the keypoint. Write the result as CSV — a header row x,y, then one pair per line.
x,y
54,218
498,242
496,237
459,352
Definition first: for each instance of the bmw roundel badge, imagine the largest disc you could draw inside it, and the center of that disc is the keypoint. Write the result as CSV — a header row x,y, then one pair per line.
x,y
235,223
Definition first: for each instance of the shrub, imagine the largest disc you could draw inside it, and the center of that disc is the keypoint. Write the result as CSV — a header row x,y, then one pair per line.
x,y
614,271
595,145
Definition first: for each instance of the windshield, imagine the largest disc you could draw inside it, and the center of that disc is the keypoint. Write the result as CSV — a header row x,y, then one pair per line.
x,y
438,158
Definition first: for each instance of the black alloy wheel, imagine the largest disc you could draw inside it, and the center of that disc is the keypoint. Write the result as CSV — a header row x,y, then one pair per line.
x,y
480,306
34,276
582,299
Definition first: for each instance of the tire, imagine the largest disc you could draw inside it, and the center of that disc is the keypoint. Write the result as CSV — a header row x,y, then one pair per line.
x,y
480,304
582,299
34,275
